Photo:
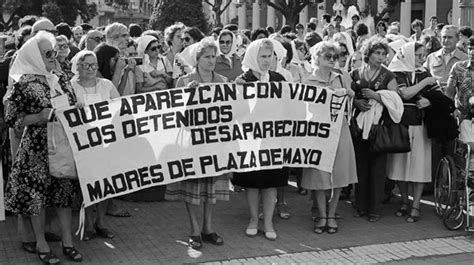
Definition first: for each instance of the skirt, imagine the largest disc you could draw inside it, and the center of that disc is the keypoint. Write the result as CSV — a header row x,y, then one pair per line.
x,y
344,170
198,191
414,166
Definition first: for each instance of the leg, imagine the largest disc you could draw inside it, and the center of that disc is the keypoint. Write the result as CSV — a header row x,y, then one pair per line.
x,y
253,199
65,216
268,200
362,187
331,217
321,202
89,223
377,178
25,229
282,209
44,251
192,214
99,226
403,187
207,222
415,209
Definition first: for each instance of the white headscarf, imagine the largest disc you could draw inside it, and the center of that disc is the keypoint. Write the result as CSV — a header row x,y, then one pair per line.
x,y
350,46
233,47
404,60
75,62
295,60
189,54
143,42
30,62
250,61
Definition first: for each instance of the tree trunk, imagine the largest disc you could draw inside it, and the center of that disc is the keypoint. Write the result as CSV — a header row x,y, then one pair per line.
x,y
218,19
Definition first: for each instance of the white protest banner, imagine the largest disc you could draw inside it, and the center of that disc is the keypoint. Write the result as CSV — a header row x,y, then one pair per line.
x,y
151,139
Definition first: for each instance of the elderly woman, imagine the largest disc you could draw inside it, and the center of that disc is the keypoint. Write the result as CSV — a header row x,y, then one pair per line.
x,y
151,72
299,67
411,170
174,42
204,191
93,39
256,63
30,187
325,57
77,33
64,64
368,81
90,89
228,63
116,34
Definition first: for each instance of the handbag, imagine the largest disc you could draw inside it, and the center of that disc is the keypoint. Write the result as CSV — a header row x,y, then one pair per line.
x,y
61,160
389,137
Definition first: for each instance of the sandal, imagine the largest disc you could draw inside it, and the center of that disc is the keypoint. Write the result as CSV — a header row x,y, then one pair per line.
x,y
72,254
104,232
403,210
413,218
29,247
212,238
282,211
331,229
88,235
271,235
373,218
195,242
48,257
322,228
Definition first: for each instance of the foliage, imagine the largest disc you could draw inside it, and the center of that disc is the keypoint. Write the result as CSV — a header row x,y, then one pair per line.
x,y
52,11
288,8
168,12
216,8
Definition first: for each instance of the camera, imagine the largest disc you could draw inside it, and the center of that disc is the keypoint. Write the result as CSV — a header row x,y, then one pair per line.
x,y
138,60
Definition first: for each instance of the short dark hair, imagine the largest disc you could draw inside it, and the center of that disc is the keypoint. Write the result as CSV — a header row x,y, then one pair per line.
x,y
86,27
286,29
299,26
382,23
290,35
355,16
466,31
289,51
257,32
327,18
216,30
64,29
338,17
231,27
312,38
440,26
194,32
417,23
270,29
361,29
247,33
371,46
135,30
311,26
433,18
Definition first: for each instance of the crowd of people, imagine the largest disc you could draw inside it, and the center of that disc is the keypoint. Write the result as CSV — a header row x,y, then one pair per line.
x,y
412,80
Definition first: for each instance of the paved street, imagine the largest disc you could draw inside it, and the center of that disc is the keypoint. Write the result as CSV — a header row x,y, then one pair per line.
x,y
157,232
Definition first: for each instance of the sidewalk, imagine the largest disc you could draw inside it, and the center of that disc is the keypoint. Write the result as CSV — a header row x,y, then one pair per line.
x,y
157,232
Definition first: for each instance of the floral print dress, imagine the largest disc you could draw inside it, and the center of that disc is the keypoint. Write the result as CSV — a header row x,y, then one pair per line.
x,y
30,186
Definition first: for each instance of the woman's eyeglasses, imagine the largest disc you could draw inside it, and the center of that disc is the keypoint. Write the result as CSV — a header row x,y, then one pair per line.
x,y
89,66
186,39
226,42
50,54
97,39
328,57
63,46
155,48
343,54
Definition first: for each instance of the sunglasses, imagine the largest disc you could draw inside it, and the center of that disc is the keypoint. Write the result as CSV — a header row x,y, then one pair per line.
x,y
51,54
343,54
97,39
63,46
227,42
155,48
328,57
89,66
186,39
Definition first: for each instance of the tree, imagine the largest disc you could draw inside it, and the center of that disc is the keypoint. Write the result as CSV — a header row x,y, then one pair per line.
x,y
52,11
168,12
216,8
289,8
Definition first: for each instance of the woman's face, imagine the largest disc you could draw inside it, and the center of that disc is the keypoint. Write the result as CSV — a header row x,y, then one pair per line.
x,y
153,50
356,61
328,59
78,34
378,57
225,43
176,42
62,48
113,62
207,61
419,57
264,58
302,51
330,29
187,40
343,56
121,41
48,54
88,67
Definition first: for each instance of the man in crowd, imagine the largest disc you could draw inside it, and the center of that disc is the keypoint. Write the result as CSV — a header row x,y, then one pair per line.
x,y
431,31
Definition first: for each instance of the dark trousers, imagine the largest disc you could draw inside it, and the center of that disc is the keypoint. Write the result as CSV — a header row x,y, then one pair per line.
x,y
371,173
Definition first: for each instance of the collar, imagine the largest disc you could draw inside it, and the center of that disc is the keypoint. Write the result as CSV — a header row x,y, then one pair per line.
x,y
315,78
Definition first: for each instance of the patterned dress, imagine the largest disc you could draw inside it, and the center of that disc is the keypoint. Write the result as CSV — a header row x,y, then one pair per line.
x,y
66,69
30,187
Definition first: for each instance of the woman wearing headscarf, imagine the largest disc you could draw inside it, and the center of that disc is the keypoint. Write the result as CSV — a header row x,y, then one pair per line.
x,y
150,73
228,63
256,64
413,169
30,187
329,184
90,89
203,191
299,67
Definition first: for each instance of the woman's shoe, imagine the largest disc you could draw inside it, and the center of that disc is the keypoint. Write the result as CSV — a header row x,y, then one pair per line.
x,y
195,242
104,232
251,232
413,218
331,229
72,254
88,235
212,238
403,210
271,235
321,228
373,218
282,211
48,257
29,247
